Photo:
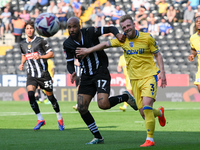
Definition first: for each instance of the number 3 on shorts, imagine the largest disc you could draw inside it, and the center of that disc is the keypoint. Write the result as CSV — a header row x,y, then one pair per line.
x,y
48,84
152,87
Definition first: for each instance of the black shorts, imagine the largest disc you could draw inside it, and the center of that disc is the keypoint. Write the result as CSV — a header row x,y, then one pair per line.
x,y
99,83
45,82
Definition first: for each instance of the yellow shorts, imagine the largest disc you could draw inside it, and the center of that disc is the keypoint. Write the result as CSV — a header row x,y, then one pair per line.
x,y
197,80
146,87
128,83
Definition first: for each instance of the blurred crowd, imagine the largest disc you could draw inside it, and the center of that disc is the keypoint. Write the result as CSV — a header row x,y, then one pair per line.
x,y
158,21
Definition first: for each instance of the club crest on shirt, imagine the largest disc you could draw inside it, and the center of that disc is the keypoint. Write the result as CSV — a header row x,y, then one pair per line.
x,y
131,44
29,46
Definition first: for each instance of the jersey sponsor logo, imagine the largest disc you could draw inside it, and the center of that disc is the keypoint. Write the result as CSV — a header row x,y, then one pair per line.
x,y
131,52
30,55
131,44
29,46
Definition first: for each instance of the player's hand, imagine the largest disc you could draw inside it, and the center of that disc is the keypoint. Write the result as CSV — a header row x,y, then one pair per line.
x,y
191,57
73,77
121,37
162,77
36,56
21,66
81,52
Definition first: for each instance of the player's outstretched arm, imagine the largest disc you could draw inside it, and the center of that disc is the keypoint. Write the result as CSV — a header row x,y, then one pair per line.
x,y
46,56
192,55
162,76
82,52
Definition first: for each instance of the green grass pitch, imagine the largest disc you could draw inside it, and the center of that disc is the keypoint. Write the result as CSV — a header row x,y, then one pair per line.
x,y
121,130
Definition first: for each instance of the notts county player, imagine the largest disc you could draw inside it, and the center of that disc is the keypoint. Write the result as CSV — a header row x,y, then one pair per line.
x,y
35,52
95,75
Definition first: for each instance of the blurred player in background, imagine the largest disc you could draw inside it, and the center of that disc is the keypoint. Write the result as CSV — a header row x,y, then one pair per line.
x,y
78,76
95,77
35,52
139,49
122,65
195,44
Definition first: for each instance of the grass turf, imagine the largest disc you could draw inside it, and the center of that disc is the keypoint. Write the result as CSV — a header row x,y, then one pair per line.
x,y
121,130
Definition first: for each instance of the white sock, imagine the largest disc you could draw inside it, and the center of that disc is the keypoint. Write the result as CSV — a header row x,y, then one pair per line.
x,y
160,113
59,116
150,139
39,116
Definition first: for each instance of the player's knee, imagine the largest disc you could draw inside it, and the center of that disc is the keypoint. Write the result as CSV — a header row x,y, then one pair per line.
x,y
103,106
52,99
82,109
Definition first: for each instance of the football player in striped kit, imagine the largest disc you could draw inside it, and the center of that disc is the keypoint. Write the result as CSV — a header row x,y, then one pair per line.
x,y
35,52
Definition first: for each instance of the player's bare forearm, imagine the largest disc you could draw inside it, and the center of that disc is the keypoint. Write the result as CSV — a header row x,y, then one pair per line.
x,y
193,53
159,60
47,56
23,59
82,52
160,63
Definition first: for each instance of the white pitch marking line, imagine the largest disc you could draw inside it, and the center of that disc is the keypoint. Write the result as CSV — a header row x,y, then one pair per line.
x,y
100,111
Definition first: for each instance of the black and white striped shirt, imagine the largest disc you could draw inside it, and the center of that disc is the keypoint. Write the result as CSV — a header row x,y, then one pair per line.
x,y
90,63
38,45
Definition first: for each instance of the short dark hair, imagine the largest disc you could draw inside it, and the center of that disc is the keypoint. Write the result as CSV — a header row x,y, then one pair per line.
x,y
31,23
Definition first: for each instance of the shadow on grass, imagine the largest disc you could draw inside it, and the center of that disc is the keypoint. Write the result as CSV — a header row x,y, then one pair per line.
x,y
75,139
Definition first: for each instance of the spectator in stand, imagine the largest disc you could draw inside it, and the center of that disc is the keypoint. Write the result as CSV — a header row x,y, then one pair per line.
x,y
5,17
35,14
76,5
153,28
141,15
15,16
99,21
18,28
171,13
179,1
68,10
136,4
52,8
193,3
62,18
24,15
146,4
93,16
108,9
198,11
137,25
151,17
188,15
162,7
41,3
164,27
178,16
29,6
144,26
117,14
97,4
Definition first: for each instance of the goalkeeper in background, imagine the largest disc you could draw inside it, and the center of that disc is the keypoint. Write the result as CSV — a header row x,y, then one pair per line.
x,y
122,65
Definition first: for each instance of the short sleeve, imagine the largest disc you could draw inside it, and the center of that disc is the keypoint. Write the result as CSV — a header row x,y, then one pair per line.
x,y
115,43
46,46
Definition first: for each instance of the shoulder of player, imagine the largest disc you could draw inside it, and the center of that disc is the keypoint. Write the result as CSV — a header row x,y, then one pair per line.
x,y
193,36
